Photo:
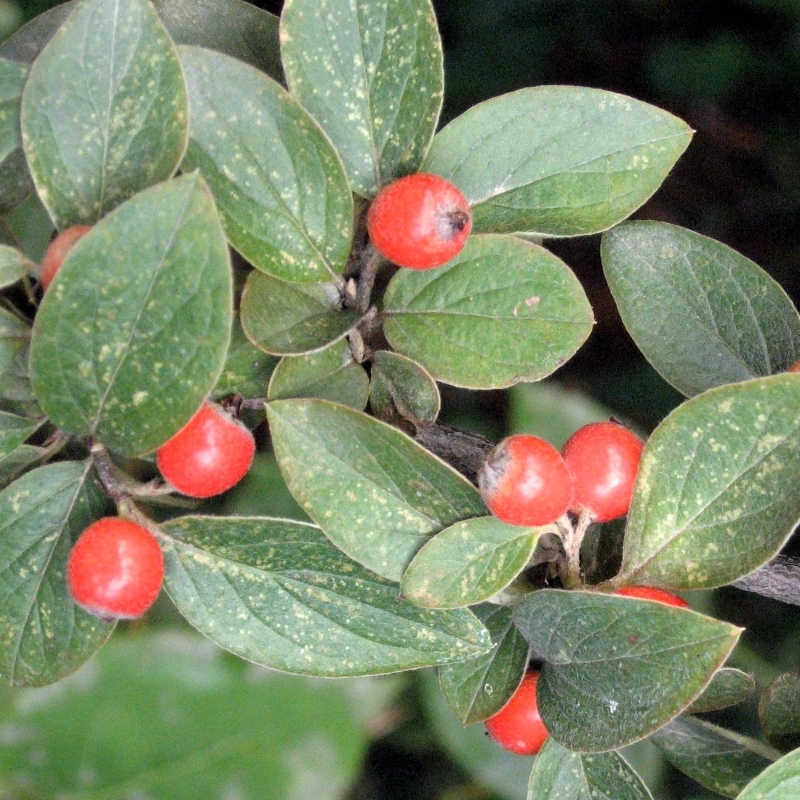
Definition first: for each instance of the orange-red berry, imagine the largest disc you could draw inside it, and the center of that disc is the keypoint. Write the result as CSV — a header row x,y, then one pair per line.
x,y
420,221
649,593
517,726
57,251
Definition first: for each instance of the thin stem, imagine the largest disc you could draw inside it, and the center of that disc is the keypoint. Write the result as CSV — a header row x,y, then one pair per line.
x,y
366,279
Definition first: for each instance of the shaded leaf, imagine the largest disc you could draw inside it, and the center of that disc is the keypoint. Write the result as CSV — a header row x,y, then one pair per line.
x,y
14,430
397,382
477,688
14,180
617,668
14,344
279,593
716,494
501,312
781,781
727,688
155,275
557,160
14,265
170,716
290,318
374,492
280,187
779,711
247,369
19,461
370,71
716,758
44,635
101,122
468,563
330,374
702,314
25,44
559,774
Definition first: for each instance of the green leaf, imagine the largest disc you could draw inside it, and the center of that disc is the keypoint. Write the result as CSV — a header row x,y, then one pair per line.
x,y
727,688
557,160
279,184
14,430
617,668
559,774
290,318
397,382
279,593
14,180
477,688
374,492
716,494
501,312
104,111
28,41
779,711
468,563
781,781
43,634
233,27
247,369
19,461
370,71
132,334
14,343
14,265
169,716
330,374
718,759
702,314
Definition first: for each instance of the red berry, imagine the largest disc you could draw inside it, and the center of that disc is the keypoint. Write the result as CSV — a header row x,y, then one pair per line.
x,y
524,481
115,569
648,593
795,367
211,453
603,459
420,221
57,251
517,726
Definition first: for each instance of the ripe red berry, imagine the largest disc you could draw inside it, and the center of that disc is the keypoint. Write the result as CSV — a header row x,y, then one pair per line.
x,y
420,221
517,726
603,459
649,593
524,481
115,569
57,251
211,453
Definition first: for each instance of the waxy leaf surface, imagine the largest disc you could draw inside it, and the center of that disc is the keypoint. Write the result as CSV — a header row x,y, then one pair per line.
x,y
43,634
781,781
133,332
728,687
501,312
716,494
374,492
400,385
279,593
370,71
279,184
702,314
617,668
104,111
557,160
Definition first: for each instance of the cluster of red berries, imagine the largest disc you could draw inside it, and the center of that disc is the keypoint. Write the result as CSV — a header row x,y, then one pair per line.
x,y
526,481
116,567
518,726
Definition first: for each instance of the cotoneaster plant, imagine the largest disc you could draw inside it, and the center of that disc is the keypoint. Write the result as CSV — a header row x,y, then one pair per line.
x,y
651,593
518,726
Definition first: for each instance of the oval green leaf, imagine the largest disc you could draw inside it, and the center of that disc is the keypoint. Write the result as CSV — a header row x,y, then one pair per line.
x,y
247,369
557,160
559,774
15,337
25,44
14,265
291,318
468,563
501,312
279,184
716,494
43,634
101,121
14,179
728,687
399,385
477,688
370,71
781,781
716,758
279,593
133,332
18,461
779,711
617,668
702,314
14,430
374,492
330,374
